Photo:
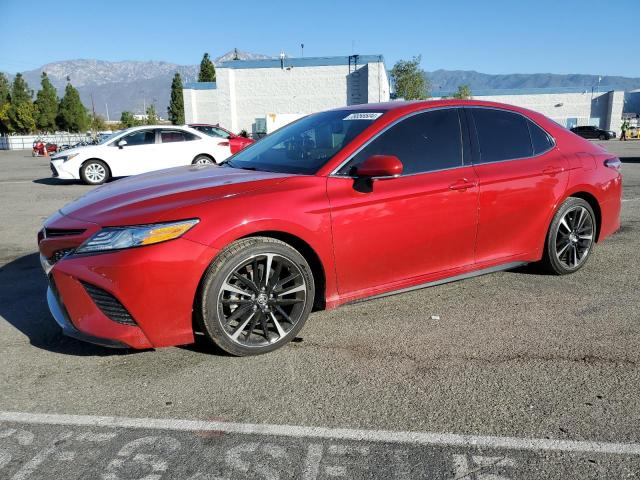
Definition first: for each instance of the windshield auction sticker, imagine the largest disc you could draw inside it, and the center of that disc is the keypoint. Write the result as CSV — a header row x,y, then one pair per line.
x,y
363,116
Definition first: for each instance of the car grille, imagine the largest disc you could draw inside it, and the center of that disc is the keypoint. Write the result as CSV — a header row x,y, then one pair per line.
x,y
62,232
109,305
53,170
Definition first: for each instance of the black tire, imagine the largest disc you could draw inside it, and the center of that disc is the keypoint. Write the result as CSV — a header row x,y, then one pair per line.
x,y
567,231
603,137
203,160
94,172
283,317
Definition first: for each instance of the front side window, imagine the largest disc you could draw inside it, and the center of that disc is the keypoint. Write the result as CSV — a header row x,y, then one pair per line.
x,y
141,137
304,146
424,142
502,135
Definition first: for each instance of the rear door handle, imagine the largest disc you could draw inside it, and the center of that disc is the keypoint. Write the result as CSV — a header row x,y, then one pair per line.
x,y
462,184
551,171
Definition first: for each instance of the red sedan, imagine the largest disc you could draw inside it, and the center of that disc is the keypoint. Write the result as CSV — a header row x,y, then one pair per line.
x,y
339,206
235,142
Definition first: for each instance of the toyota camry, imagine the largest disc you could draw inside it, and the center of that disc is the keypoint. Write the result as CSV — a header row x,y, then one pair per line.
x,y
339,206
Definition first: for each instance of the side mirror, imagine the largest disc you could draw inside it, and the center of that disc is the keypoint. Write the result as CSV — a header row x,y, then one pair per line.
x,y
380,166
122,143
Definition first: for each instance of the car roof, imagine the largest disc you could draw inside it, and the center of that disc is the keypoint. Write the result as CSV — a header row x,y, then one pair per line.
x,y
415,105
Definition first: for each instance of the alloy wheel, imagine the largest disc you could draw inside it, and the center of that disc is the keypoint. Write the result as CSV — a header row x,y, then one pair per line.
x,y
262,300
203,161
574,237
95,173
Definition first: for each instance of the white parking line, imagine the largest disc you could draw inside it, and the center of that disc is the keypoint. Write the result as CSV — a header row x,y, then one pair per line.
x,y
413,438
630,199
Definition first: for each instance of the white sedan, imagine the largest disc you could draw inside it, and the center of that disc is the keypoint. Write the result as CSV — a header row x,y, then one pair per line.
x,y
138,150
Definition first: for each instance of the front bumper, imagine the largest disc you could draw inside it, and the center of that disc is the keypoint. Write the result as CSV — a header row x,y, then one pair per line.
x,y
60,170
156,284
61,317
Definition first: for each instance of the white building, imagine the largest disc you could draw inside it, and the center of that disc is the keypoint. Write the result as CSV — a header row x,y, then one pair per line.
x,y
569,107
250,94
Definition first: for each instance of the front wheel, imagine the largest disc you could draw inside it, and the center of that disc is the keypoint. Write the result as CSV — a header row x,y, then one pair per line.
x,y
603,137
571,237
203,160
94,172
256,296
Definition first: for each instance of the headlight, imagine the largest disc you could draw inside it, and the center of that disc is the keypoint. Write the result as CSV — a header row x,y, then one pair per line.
x,y
65,158
117,238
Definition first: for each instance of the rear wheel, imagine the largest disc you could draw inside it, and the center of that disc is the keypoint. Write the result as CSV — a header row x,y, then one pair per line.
x,y
256,296
570,238
603,137
94,172
203,160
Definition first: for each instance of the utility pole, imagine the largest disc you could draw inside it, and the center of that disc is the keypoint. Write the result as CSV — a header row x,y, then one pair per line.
x,y
302,48
106,106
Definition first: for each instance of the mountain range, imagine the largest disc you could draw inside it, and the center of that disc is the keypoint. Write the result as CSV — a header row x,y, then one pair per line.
x,y
133,85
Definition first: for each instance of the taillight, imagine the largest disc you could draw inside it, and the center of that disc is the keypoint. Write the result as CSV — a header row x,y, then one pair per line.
x,y
614,163
223,144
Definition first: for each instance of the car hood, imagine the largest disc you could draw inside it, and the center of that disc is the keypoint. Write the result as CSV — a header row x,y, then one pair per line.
x,y
71,151
157,196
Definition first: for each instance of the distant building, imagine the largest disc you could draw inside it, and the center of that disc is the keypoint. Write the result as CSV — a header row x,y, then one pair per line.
x,y
569,107
252,94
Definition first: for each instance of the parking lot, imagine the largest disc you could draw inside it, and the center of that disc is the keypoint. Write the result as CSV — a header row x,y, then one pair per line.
x,y
516,374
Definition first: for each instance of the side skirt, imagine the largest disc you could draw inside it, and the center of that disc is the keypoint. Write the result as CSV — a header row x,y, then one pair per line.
x,y
455,278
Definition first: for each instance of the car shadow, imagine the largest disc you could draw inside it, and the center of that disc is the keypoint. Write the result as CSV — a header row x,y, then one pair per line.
x,y
529,269
630,159
55,181
25,308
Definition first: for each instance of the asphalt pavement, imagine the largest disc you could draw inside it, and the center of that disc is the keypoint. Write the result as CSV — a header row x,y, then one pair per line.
x,y
515,374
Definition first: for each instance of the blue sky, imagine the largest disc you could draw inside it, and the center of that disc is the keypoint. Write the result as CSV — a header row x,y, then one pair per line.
x,y
561,36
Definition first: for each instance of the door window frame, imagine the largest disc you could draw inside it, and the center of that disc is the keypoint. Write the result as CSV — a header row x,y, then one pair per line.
x,y
115,142
464,143
475,138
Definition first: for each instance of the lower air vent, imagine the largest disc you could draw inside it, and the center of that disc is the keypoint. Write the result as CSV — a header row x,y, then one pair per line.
x,y
109,305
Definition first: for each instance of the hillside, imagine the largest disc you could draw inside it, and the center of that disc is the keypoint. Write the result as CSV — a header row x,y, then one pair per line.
x,y
130,85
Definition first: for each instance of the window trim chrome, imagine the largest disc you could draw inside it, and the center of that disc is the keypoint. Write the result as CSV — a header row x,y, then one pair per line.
x,y
334,173
553,140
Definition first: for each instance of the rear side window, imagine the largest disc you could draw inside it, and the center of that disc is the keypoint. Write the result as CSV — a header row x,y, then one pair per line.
x,y
539,138
502,135
170,136
424,142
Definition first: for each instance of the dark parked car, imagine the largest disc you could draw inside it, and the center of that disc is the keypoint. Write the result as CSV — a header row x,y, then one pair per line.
x,y
593,132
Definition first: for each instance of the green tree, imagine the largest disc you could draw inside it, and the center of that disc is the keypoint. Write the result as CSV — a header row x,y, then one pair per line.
x,y
152,116
207,70
97,123
4,89
176,104
46,105
4,103
463,93
410,80
128,120
72,115
21,111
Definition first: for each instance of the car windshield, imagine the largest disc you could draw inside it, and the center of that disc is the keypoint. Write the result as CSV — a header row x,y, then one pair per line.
x,y
306,145
110,137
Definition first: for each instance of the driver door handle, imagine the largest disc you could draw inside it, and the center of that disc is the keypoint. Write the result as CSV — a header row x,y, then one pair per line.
x,y
462,184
